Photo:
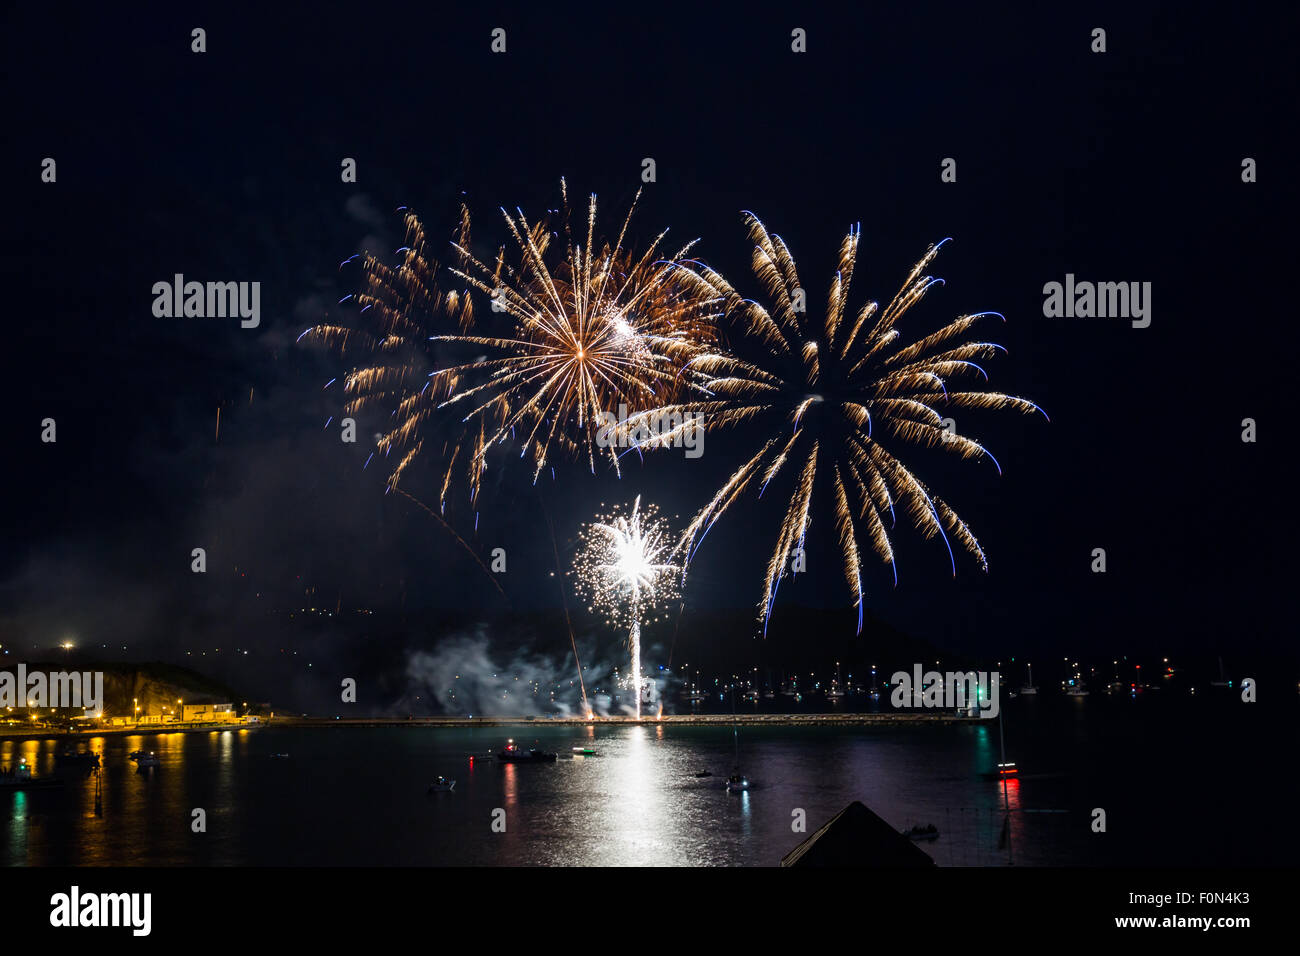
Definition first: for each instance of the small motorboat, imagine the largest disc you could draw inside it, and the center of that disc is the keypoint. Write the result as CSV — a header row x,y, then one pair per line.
x,y
737,782
145,761
442,785
584,751
513,753
279,756
928,832
20,778
704,773
1027,689
1008,769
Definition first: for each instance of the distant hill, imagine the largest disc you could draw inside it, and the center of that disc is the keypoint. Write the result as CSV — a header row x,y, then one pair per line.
x,y
151,686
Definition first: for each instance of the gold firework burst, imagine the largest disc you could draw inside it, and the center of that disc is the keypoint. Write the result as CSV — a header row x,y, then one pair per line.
x,y
605,327
401,312
830,395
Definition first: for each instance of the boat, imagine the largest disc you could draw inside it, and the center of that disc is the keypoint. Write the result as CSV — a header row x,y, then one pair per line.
x,y
1116,686
512,753
584,751
20,778
279,756
837,686
1223,678
1077,690
928,832
442,785
703,773
1004,770
1028,690
144,761
693,692
737,782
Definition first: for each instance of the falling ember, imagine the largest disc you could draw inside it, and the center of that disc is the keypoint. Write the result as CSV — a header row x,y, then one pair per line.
x,y
624,568
218,435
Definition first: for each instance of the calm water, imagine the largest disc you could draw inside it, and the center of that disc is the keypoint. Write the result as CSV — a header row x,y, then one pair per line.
x,y
1183,782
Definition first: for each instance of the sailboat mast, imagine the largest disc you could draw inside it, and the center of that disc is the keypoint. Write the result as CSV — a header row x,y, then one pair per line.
x,y
735,725
1006,799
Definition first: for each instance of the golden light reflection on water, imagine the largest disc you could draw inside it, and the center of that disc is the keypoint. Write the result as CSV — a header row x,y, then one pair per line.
x,y
357,796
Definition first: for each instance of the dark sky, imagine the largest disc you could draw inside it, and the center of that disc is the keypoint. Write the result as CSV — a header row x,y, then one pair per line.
x,y
1123,166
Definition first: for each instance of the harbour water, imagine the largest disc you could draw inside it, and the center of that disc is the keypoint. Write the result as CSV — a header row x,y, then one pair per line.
x,y
1181,782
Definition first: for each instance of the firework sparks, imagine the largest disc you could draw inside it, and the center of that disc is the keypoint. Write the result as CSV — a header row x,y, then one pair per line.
x,y
605,327
401,311
829,398
624,568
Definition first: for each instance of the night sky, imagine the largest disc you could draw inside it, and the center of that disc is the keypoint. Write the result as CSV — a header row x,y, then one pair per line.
x,y
225,166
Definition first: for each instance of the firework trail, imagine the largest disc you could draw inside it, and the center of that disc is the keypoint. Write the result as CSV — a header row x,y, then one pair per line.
x,y
564,602
828,397
624,567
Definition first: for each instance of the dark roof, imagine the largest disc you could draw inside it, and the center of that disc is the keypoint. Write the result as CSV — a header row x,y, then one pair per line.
x,y
857,837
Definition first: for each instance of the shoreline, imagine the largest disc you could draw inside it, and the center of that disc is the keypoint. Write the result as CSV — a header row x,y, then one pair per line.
x,y
680,720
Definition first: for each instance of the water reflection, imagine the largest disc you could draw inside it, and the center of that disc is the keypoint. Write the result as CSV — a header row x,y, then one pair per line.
x,y
360,797
635,819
